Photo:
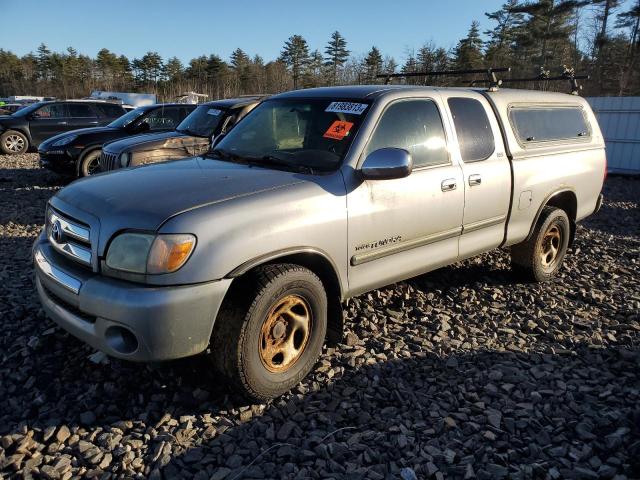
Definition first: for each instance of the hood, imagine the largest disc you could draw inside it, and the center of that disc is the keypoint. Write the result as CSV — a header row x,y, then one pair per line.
x,y
149,141
145,197
104,132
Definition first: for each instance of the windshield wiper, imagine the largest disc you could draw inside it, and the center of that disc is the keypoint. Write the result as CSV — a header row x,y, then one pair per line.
x,y
281,162
224,155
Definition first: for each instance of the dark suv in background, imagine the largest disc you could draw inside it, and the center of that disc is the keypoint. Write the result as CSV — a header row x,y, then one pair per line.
x,y
78,152
30,126
192,137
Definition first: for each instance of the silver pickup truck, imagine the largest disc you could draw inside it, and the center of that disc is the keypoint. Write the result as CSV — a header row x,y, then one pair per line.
x,y
315,196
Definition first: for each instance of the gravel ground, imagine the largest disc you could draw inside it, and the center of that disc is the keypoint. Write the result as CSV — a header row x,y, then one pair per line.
x,y
461,373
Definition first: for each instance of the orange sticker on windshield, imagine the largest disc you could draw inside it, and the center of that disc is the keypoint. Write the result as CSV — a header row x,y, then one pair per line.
x,y
338,130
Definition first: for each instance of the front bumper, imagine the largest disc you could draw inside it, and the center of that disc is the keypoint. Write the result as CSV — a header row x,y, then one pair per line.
x,y
123,319
59,160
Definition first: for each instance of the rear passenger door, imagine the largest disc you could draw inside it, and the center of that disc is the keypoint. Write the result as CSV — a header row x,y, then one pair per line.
x,y
81,116
486,171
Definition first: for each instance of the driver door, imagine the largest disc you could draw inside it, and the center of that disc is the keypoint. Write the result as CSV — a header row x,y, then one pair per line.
x,y
47,121
404,227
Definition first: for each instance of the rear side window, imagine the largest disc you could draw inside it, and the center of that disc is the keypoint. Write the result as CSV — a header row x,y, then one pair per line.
x,y
543,124
163,118
416,126
109,110
79,110
473,129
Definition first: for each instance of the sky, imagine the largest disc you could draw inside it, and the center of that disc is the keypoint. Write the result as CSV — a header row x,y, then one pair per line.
x,y
189,28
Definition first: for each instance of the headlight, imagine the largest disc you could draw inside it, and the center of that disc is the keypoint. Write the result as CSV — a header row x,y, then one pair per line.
x,y
124,159
150,254
66,140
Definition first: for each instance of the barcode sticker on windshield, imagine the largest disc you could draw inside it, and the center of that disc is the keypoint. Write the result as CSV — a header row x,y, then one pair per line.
x,y
214,111
347,107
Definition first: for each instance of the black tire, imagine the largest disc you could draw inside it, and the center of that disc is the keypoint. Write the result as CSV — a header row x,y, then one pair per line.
x,y
89,163
13,142
540,257
238,346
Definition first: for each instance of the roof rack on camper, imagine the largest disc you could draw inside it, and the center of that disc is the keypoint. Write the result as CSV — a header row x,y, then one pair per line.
x,y
568,75
493,81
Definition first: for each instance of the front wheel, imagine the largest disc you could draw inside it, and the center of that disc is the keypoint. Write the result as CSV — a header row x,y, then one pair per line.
x,y
540,257
13,142
270,330
89,163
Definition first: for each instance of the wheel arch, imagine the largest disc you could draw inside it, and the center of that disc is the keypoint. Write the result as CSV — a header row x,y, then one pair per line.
x,y
86,150
319,263
564,199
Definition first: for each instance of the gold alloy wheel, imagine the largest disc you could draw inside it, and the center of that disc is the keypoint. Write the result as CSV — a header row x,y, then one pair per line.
x,y
285,333
551,243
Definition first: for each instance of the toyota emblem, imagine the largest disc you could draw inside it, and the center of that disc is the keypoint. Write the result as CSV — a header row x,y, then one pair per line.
x,y
56,231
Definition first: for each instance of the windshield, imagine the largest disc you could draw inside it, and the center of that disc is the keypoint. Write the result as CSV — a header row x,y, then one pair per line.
x,y
128,118
202,122
310,133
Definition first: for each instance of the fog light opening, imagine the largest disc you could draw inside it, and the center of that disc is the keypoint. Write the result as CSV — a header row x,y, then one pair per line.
x,y
121,340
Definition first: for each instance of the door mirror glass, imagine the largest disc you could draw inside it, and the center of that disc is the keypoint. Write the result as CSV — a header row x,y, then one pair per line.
x,y
387,164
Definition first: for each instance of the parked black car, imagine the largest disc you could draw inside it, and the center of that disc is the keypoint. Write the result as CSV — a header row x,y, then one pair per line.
x,y
78,152
192,137
30,126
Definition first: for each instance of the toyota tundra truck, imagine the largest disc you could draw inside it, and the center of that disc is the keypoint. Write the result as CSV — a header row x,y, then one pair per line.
x,y
247,252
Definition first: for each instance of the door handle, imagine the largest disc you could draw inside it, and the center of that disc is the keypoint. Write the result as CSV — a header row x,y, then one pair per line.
x,y
475,180
62,123
448,185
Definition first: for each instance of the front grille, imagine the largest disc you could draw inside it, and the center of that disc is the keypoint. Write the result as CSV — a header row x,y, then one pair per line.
x,y
69,237
108,161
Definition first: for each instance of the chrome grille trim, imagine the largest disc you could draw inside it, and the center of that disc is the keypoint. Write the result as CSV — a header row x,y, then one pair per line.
x,y
57,275
76,252
108,161
69,238
70,228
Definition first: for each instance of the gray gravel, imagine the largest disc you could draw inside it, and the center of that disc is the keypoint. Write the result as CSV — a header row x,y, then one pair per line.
x,y
462,373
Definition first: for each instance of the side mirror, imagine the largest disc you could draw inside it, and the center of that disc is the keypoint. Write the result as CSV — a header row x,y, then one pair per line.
x,y
34,116
387,164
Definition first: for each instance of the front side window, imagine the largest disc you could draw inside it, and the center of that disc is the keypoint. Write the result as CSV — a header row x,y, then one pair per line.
x,y
473,129
311,133
128,118
543,124
416,126
203,121
53,110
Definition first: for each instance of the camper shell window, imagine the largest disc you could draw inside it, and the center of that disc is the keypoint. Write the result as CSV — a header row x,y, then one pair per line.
x,y
534,124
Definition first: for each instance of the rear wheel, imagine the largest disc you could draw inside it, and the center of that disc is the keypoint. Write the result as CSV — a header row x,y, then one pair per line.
x,y
89,163
540,257
13,142
270,331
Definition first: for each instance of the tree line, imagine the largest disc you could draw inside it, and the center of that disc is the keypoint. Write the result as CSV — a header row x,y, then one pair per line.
x,y
534,37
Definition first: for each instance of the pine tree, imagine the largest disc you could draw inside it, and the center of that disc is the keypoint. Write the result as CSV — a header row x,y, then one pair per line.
x,y
295,55
173,70
336,54
545,34
468,53
373,64
499,48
